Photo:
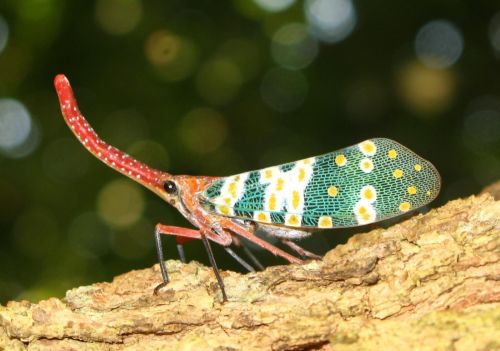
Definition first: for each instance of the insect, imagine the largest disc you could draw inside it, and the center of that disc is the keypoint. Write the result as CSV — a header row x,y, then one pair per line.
x,y
365,183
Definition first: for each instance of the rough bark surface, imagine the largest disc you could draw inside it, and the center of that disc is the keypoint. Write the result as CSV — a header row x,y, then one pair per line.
x,y
430,282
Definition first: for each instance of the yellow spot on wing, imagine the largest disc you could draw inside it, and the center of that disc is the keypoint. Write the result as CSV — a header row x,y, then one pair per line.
x,y
397,173
295,199
333,191
366,165
412,190
368,193
340,160
308,161
279,184
292,220
268,173
418,167
272,202
404,206
232,189
262,217
302,174
392,154
223,210
362,210
368,148
366,216
325,222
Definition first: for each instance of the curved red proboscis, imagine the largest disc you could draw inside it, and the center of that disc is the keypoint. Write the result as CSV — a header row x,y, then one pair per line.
x,y
108,154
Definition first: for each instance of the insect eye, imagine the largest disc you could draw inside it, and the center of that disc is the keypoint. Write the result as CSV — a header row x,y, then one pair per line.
x,y
170,187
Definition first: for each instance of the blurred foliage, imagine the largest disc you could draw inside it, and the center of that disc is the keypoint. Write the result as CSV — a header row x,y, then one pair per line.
x,y
216,88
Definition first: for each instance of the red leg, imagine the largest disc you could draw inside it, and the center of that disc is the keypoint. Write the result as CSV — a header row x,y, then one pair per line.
x,y
187,234
181,240
262,243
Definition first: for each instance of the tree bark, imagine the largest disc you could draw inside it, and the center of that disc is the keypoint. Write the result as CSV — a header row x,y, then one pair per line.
x,y
430,282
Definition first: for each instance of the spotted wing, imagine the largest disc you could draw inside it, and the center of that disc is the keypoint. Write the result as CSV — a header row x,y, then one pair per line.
x,y
364,183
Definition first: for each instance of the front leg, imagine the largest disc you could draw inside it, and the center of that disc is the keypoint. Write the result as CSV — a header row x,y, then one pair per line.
x,y
183,235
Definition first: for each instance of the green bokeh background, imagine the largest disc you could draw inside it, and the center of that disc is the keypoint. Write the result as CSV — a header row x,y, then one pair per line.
x,y
193,87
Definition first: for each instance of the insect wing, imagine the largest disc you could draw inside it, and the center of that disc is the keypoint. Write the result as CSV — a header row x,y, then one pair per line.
x,y
368,182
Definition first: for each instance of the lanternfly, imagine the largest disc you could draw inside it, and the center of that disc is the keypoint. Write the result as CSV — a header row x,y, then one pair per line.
x,y
365,183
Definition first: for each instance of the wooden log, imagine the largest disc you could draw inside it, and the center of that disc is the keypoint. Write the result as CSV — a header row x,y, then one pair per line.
x,y
430,282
